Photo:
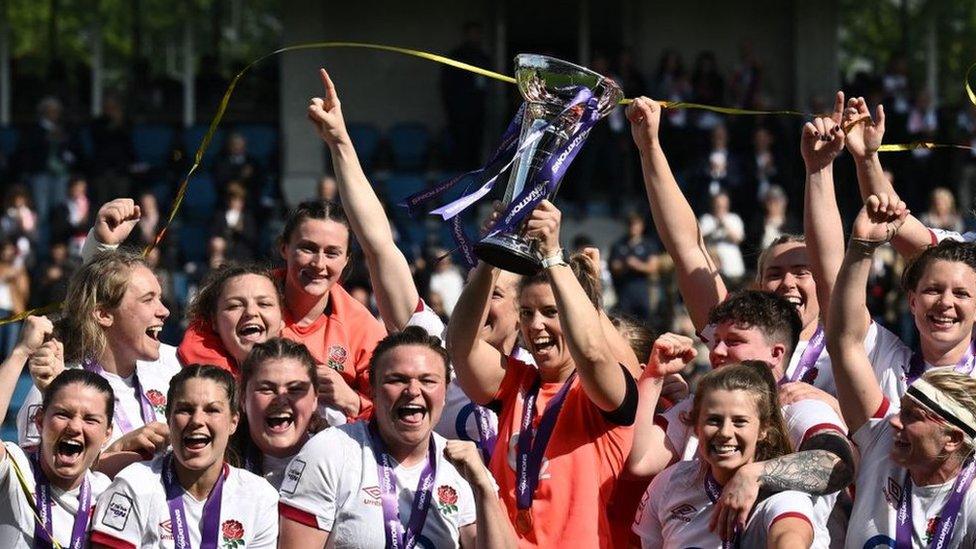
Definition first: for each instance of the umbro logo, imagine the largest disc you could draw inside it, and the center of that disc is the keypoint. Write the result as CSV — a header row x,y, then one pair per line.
x,y
683,512
892,492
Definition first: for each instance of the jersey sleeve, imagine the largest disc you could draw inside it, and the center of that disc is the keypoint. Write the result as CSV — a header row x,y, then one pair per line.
x,y
467,510
647,522
266,524
92,246
371,332
9,483
809,417
788,504
874,431
514,370
309,490
201,345
426,318
27,433
938,235
121,515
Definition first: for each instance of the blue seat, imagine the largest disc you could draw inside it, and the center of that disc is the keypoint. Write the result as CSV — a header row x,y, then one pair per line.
x,y
86,142
194,238
262,140
399,186
410,142
201,198
366,139
192,137
9,136
153,143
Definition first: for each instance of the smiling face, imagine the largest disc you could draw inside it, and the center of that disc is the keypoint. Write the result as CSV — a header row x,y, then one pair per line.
x,y
200,423
248,312
73,429
279,402
944,305
316,253
728,429
501,324
919,438
786,272
409,392
132,329
735,343
541,331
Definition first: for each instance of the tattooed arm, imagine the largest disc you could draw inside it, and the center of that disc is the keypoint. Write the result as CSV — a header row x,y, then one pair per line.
x,y
824,464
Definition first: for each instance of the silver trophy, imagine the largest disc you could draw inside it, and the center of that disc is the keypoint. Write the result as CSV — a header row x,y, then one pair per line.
x,y
548,85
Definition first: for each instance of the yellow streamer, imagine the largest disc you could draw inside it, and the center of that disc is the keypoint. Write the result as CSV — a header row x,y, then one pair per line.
x,y
215,122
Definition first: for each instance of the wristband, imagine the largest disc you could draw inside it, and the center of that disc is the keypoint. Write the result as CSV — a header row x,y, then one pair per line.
x,y
554,259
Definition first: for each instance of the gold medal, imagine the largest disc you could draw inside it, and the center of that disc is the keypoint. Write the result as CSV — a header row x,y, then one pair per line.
x,y
523,521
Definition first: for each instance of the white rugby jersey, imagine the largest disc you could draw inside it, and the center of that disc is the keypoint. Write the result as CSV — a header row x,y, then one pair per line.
x,y
133,512
16,517
879,486
333,485
676,511
153,378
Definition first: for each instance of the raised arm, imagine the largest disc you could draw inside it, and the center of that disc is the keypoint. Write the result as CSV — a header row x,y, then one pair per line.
x,y
113,224
650,453
599,372
492,529
480,367
864,136
858,391
35,331
389,272
698,276
821,141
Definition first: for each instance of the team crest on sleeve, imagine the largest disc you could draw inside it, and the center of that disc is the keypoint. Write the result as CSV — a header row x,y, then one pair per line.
x,y
118,511
683,512
233,534
447,499
32,412
292,475
337,357
157,400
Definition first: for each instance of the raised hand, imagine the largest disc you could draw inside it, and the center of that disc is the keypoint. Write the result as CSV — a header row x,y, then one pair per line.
x,y
146,440
325,113
864,134
335,392
46,363
466,458
645,119
821,141
35,331
115,220
880,219
543,225
669,355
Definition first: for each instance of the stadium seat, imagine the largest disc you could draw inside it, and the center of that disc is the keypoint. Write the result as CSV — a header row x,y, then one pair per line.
x,y
153,143
9,136
86,142
262,140
192,137
400,185
410,142
366,139
193,240
201,198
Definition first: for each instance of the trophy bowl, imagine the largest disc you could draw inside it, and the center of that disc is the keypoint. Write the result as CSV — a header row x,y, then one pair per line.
x,y
549,86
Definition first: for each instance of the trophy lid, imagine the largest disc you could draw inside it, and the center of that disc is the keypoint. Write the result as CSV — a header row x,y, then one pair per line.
x,y
549,80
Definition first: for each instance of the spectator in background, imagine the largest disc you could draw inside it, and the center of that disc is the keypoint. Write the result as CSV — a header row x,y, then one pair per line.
x,y
149,223
446,279
723,231
71,219
942,212
747,78
895,85
328,188
708,87
771,222
632,80
633,259
719,170
763,171
49,280
19,222
464,95
236,164
114,153
235,224
923,125
47,154
14,292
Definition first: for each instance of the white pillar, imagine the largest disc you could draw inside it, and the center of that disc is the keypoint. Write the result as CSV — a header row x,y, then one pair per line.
x,y
583,32
189,64
4,68
97,67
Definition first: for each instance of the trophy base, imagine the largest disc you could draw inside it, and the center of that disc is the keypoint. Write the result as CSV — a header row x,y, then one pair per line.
x,y
509,253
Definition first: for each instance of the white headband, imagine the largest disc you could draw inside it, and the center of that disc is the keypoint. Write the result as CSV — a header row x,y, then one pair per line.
x,y
944,406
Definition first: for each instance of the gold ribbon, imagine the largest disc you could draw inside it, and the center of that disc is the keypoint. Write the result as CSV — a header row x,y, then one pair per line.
x,y
215,122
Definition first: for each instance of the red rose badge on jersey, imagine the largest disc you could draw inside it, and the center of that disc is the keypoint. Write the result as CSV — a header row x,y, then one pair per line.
x,y
233,533
337,357
447,499
157,400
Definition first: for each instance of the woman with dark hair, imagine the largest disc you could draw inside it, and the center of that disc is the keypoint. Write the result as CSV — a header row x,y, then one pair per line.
x,y
350,485
278,390
737,418
50,492
190,497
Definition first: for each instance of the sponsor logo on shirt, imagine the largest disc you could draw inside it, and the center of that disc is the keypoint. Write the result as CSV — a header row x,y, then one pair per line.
x,y
892,492
374,494
118,510
166,529
292,475
684,512
337,357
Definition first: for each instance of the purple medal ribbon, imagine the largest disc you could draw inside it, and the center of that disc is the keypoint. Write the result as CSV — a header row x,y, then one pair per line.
x,y
147,411
177,514
531,446
713,490
804,368
486,435
44,503
947,517
965,366
398,537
